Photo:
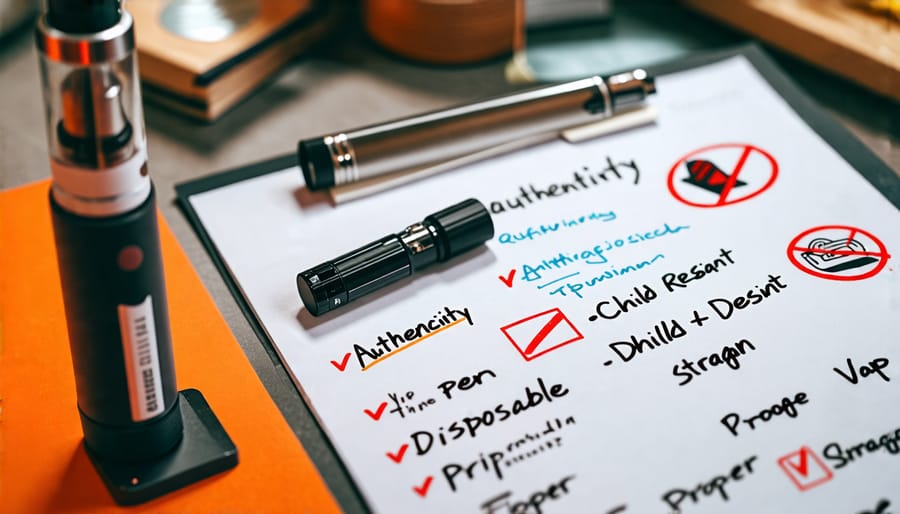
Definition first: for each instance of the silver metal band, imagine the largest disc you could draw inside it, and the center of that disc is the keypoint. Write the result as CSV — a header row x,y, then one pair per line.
x,y
417,238
343,159
110,45
421,243
628,89
604,92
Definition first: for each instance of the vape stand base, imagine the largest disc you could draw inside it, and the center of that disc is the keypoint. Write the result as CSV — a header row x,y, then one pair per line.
x,y
204,451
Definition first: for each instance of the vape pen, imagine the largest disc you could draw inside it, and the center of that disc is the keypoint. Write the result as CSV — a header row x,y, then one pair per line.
x,y
144,437
104,221
437,238
426,140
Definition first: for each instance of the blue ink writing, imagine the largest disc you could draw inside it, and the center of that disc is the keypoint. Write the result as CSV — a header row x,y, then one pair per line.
x,y
531,232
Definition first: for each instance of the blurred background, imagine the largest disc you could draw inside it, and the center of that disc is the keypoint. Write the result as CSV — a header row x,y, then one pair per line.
x,y
223,76
229,82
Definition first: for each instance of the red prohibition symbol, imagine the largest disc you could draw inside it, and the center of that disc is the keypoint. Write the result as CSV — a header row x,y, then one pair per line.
x,y
722,174
838,252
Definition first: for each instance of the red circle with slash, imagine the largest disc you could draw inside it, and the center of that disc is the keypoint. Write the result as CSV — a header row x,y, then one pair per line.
x,y
707,176
827,253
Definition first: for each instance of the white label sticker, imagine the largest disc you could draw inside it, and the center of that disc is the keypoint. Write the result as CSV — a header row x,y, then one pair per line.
x,y
141,359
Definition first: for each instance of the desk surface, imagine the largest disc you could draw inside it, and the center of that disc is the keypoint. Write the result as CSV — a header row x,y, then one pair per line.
x,y
341,86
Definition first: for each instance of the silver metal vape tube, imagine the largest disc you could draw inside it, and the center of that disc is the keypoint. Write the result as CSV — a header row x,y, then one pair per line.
x,y
439,136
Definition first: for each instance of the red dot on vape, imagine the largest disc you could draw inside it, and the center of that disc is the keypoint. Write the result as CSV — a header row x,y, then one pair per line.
x,y
130,258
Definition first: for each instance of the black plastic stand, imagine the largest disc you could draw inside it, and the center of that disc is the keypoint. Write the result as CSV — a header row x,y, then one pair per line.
x,y
204,450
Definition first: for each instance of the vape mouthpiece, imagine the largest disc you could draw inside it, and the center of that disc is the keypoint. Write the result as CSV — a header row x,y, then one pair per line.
x,y
83,16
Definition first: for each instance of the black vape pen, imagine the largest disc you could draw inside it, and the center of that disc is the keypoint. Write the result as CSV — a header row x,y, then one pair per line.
x,y
437,238
107,240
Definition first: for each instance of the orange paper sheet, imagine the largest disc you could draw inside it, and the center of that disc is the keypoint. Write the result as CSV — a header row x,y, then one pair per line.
x,y
43,466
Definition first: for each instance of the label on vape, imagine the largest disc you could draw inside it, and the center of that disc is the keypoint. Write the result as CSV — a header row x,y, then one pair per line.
x,y
141,359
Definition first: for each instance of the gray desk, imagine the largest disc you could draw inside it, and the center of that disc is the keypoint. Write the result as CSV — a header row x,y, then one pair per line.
x,y
344,86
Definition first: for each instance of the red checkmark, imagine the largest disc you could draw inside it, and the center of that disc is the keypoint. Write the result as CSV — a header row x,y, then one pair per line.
x,y
378,412
397,457
423,489
803,466
508,279
545,331
805,469
343,364
541,333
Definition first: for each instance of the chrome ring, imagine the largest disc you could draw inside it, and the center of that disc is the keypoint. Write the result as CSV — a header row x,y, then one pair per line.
x,y
343,159
110,45
604,92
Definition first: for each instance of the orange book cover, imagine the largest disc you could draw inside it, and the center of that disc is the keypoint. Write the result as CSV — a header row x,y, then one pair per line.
x,y
43,465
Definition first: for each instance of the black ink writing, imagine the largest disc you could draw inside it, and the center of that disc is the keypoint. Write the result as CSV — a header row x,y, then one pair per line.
x,y
502,503
787,406
662,333
424,440
841,456
875,367
615,307
729,356
697,271
582,180
675,497
465,383
725,308
390,341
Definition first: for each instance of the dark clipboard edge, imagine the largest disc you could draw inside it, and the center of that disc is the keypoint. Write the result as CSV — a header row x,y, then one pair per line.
x,y
835,135
183,192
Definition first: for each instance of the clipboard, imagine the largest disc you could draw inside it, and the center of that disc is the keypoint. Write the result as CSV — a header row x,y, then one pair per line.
x,y
837,137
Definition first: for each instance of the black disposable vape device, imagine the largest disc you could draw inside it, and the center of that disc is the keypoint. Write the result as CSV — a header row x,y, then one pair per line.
x,y
439,237
104,219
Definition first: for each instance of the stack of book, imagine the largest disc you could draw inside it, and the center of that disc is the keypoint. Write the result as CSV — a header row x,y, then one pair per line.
x,y
201,57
